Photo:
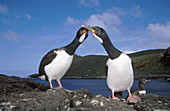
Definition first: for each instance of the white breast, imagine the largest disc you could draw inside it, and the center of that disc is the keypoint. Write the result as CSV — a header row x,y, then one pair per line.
x,y
120,73
142,92
59,66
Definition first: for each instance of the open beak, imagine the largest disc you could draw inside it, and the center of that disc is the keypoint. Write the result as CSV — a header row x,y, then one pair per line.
x,y
90,29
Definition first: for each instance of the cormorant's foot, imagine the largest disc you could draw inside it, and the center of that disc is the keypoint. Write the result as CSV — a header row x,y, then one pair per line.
x,y
69,91
116,98
56,87
133,99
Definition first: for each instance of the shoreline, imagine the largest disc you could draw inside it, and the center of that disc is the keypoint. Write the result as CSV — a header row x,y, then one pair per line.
x,y
164,76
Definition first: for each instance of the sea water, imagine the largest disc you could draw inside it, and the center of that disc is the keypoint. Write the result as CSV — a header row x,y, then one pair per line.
x,y
99,86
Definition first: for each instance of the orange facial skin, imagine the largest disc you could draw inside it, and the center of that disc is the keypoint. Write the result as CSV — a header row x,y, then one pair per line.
x,y
93,31
84,31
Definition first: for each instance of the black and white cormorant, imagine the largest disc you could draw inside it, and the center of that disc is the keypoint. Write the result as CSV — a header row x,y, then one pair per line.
x,y
55,63
119,69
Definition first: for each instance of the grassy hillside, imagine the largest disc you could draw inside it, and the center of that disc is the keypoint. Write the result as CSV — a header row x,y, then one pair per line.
x,y
147,62
144,63
87,66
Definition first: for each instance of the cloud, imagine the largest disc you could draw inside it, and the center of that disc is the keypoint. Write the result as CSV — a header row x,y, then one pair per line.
x,y
71,21
90,3
3,9
129,52
109,20
10,35
10,22
96,2
159,30
28,16
136,12
153,36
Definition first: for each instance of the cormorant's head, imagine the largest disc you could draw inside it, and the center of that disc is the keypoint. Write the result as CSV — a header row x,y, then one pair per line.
x,y
143,80
99,33
82,34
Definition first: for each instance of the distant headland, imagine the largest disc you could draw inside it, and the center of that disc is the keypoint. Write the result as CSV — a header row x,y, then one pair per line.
x,y
148,64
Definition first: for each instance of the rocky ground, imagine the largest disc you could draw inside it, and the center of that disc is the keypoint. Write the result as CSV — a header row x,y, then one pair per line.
x,y
15,85
19,94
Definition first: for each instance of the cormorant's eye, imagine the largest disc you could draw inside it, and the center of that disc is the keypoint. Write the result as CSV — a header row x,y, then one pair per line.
x,y
84,31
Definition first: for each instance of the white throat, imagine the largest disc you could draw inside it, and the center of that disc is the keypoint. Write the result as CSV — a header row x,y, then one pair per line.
x,y
82,37
98,38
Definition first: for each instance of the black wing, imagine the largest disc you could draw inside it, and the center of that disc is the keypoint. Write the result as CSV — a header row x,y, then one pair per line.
x,y
106,70
47,59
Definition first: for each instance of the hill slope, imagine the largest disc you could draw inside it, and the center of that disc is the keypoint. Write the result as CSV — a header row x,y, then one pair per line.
x,y
93,66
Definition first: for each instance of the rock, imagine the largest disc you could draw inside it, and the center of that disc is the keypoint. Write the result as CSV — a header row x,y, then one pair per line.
x,y
100,103
12,85
42,100
79,96
60,100
153,102
23,94
82,100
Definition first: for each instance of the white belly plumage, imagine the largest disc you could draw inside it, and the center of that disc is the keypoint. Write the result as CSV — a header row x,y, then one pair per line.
x,y
59,66
120,73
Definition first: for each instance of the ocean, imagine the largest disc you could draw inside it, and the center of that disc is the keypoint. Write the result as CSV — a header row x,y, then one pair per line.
x,y
99,86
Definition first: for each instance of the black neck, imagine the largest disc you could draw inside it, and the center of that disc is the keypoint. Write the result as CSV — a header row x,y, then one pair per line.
x,y
111,50
71,48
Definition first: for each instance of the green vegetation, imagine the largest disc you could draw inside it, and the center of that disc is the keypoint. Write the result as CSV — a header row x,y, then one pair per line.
x,y
93,66
148,62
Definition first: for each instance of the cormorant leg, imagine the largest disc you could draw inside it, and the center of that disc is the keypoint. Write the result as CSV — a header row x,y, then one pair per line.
x,y
51,86
133,98
59,84
114,98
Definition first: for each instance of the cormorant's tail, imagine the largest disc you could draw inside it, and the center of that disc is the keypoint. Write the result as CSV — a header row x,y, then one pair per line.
x,y
34,76
42,77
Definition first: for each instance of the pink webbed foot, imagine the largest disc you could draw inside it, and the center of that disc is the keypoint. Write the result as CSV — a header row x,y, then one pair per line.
x,y
133,99
69,91
116,98
56,87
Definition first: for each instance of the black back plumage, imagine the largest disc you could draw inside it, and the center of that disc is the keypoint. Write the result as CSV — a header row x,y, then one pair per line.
x,y
47,59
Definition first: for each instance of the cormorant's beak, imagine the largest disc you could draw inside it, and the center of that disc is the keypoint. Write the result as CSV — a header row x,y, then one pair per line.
x,y
147,80
90,29
94,33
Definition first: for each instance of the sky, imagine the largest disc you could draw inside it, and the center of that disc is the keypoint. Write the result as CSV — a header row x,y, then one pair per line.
x,y
31,28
